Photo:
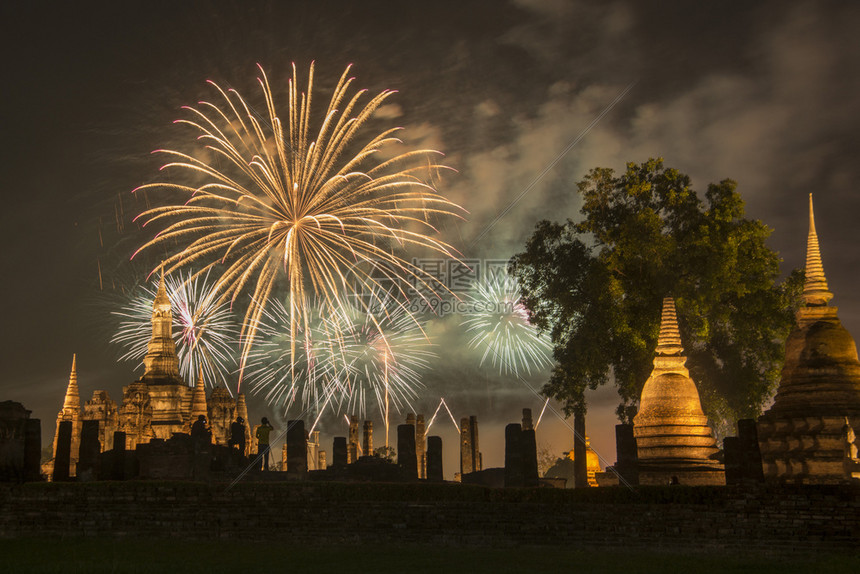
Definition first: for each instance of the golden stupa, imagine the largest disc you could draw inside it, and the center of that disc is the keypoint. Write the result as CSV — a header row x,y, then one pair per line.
x,y
802,436
592,462
673,439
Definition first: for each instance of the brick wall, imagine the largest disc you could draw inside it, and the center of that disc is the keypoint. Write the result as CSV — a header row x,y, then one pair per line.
x,y
773,519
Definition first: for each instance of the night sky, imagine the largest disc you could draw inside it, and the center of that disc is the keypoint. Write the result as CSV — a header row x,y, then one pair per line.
x,y
763,93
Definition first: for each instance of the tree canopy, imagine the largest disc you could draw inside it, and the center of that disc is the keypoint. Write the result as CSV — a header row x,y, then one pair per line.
x,y
597,285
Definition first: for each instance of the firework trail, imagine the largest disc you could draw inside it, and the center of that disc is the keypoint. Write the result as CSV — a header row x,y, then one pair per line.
x,y
499,324
279,199
205,331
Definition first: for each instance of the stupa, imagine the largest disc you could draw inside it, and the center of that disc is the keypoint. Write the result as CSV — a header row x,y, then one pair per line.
x,y
170,397
71,411
803,435
674,442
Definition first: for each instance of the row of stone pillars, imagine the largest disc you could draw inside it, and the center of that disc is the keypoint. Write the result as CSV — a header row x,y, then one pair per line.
x,y
88,454
418,455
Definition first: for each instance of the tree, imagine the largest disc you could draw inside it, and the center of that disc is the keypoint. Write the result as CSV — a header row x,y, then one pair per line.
x,y
597,285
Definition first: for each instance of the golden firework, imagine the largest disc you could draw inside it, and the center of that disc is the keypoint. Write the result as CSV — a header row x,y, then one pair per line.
x,y
321,207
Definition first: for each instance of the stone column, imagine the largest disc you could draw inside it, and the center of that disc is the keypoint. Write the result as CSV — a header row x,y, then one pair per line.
x,y
733,466
352,449
529,452
63,452
751,466
367,443
313,450
297,449
513,456
527,420
340,455
406,450
88,455
420,446
118,470
626,453
467,463
580,454
321,460
477,460
434,459
32,450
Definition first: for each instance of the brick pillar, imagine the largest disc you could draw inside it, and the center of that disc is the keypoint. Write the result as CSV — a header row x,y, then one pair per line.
x,y
118,471
527,420
514,455
732,452
32,450
420,446
751,467
313,450
63,453
467,463
367,443
340,452
297,449
434,459
529,452
352,449
88,455
406,450
580,454
626,454
477,460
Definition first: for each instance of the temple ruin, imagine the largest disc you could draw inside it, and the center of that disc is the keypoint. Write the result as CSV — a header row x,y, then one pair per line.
x,y
803,435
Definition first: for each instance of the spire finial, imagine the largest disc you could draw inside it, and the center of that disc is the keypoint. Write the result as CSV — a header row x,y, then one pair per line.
x,y
72,399
815,291
669,340
162,301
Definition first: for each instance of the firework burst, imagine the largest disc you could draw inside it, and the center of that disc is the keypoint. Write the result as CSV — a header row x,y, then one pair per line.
x,y
282,199
205,332
499,325
341,360
285,371
384,351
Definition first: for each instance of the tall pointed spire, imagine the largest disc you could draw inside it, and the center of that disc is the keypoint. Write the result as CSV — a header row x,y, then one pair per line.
x,y
198,399
162,301
669,340
669,355
73,397
161,361
815,291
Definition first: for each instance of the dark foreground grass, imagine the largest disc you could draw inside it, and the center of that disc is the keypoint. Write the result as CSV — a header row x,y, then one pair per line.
x,y
86,555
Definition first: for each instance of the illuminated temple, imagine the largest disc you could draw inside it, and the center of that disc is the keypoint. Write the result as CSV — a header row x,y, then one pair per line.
x,y
159,403
807,435
674,442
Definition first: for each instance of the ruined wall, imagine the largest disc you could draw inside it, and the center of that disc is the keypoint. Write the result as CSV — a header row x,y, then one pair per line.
x,y
771,519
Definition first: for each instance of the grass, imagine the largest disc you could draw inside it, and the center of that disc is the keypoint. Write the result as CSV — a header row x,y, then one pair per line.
x,y
94,556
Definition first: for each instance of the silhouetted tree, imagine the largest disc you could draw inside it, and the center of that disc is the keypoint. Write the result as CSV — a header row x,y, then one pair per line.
x,y
597,285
